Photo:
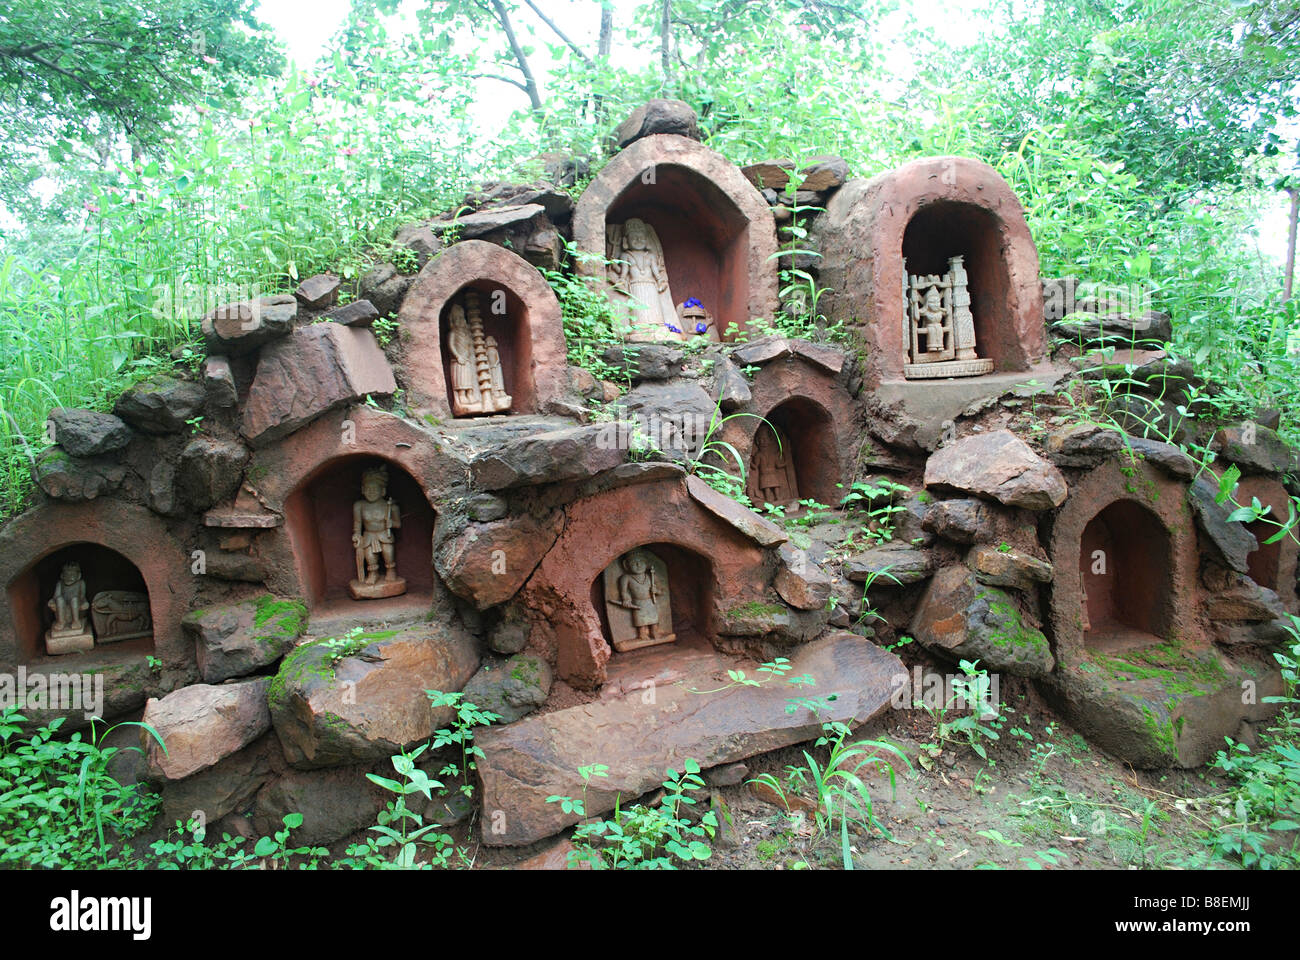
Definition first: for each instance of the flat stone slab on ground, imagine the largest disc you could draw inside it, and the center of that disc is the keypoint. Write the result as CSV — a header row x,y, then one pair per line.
x,y
539,757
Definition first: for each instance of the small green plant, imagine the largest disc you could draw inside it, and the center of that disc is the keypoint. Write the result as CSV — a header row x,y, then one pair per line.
x,y
875,506
402,833
195,424
460,735
404,259
979,720
385,329
644,837
836,787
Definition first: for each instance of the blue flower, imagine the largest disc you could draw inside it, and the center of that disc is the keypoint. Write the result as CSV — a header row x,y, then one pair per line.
x,y
701,328
673,327
692,302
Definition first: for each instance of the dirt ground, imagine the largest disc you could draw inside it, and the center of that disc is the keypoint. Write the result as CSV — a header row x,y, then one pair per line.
x,y
1043,799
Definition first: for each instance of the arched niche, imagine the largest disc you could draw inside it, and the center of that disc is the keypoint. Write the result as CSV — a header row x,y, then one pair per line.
x,y
114,587
1272,565
689,594
817,413
942,231
281,472
717,233
728,569
1125,570
499,315
529,331
120,547
928,211
1139,519
319,523
804,459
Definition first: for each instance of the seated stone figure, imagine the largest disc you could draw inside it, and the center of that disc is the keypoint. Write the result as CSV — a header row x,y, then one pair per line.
x,y
70,633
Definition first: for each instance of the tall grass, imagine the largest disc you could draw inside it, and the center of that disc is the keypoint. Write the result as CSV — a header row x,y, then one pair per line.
x,y
315,175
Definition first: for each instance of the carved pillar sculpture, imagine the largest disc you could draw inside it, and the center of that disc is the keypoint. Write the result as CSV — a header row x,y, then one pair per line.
x,y
478,382
940,325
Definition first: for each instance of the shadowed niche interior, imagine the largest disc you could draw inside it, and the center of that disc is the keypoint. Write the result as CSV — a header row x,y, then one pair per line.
x,y
948,229
119,612
704,235
1124,562
319,520
688,597
502,317
793,456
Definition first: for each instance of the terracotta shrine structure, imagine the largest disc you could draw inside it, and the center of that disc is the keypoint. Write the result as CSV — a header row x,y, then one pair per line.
x,y
699,231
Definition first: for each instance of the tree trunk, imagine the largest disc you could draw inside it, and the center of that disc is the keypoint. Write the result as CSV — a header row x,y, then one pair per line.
x,y
1289,276
530,84
603,48
665,42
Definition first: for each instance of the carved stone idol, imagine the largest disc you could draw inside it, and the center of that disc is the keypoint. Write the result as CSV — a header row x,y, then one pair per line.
x,y
694,320
477,380
70,632
374,518
121,615
940,325
771,476
639,276
637,601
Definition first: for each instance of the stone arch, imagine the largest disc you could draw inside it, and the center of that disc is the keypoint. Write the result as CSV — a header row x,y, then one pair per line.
x,y
928,210
1272,565
603,527
1125,573
97,534
718,234
1140,519
809,400
284,474
530,332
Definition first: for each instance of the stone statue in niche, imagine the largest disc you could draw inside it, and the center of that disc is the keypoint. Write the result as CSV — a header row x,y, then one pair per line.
x,y
771,472
374,518
1083,610
477,380
695,320
639,275
70,632
121,615
940,325
637,602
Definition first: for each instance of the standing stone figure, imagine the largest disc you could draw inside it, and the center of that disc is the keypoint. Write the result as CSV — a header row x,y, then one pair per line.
x,y
464,382
477,380
494,365
374,518
771,472
69,634
637,602
638,272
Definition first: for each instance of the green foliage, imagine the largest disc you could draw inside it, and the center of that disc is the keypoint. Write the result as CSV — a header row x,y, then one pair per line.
x,y
460,734
835,786
59,805
644,837
1259,819
979,719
